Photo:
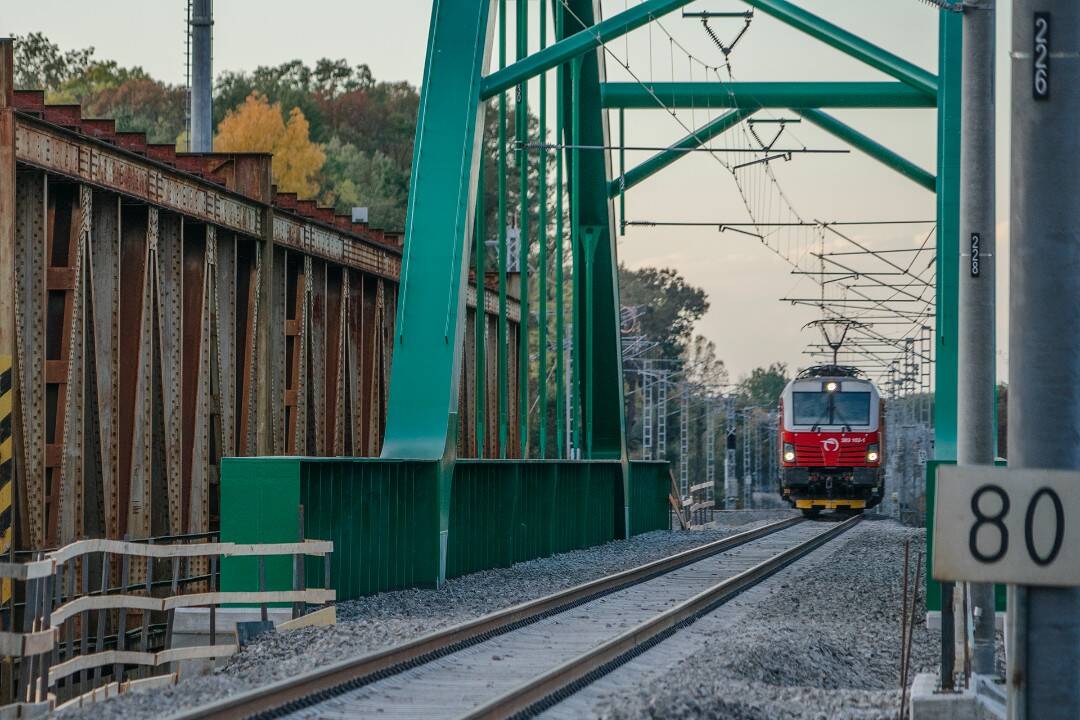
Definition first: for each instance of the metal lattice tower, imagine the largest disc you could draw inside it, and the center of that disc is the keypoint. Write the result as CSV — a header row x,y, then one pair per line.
x,y
646,410
710,442
661,413
684,438
730,481
926,348
773,450
748,457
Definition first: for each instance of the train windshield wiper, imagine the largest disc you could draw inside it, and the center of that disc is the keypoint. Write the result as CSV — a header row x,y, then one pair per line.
x,y
824,416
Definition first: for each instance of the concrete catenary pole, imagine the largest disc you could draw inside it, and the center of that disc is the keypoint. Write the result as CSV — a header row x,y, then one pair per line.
x,y
202,109
1044,328
976,350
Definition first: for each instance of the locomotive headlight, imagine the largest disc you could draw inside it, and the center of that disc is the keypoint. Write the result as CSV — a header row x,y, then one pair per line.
x,y
789,452
873,454
832,386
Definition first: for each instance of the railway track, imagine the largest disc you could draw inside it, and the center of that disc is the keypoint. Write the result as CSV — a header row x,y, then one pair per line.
x,y
523,659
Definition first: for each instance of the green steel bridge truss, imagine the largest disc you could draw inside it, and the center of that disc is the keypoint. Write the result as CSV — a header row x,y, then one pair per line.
x,y
438,500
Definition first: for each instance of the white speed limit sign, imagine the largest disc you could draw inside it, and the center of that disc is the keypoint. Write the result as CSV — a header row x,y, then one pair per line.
x,y
1007,526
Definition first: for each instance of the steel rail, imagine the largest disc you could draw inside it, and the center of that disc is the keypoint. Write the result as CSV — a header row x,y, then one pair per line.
x,y
349,674
543,691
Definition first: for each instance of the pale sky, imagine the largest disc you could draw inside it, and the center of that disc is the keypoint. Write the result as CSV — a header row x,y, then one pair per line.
x,y
744,280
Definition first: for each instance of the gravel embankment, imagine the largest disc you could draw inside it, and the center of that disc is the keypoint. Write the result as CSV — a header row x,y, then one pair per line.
x,y
824,644
389,618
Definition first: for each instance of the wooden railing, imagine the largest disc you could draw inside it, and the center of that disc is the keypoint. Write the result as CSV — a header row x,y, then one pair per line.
x,y
63,654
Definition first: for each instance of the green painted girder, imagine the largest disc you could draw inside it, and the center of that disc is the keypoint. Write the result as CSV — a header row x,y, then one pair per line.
x,y
596,308
849,43
869,146
577,44
950,58
421,419
656,96
662,159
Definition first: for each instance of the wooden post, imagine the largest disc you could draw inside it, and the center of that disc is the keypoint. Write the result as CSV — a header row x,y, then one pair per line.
x,y
213,606
298,566
102,617
45,661
85,624
73,566
171,614
26,665
144,643
326,571
121,629
262,587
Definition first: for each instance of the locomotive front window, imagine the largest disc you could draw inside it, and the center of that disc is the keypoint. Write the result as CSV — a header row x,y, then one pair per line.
x,y
838,408
851,408
810,408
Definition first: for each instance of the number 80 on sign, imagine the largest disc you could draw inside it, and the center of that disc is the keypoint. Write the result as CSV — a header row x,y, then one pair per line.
x,y
1006,526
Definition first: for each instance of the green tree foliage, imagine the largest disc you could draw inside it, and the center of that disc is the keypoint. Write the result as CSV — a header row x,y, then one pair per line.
x,y
669,305
128,95
763,386
41,65
355,178
366,127
144,105
703,367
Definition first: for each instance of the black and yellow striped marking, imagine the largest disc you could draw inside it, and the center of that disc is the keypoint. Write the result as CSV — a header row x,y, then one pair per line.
x,y
7,468
830,504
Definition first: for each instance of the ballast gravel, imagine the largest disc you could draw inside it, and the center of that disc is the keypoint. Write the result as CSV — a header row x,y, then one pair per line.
x,y
372,623
823,643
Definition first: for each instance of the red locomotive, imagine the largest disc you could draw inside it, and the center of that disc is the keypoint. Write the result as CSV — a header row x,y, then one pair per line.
x,y
832,425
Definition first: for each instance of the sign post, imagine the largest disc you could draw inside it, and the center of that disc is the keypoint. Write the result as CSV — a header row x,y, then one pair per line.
x,y
1044,335
996,525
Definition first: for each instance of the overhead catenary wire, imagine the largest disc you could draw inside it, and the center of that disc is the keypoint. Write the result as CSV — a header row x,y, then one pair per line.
x,y
782,229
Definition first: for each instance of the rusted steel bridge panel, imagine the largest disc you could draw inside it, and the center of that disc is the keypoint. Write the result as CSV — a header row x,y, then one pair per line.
x,y
164,311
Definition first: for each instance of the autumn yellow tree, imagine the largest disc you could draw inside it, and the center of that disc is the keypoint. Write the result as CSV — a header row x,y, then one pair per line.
x,y
258,126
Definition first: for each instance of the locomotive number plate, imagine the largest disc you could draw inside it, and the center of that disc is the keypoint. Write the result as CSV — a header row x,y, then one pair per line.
x,y
1008,526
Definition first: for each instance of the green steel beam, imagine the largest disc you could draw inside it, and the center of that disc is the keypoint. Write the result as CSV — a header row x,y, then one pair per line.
x,y
577,44
576,264
849,43
596,316
950,57
542,260
480,316
425,371
656,96
870,146
662,159
560,244
502,370
521,133
618,187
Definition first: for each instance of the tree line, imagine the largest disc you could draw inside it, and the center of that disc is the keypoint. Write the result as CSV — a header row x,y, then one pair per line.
x,y
345,138
338,135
